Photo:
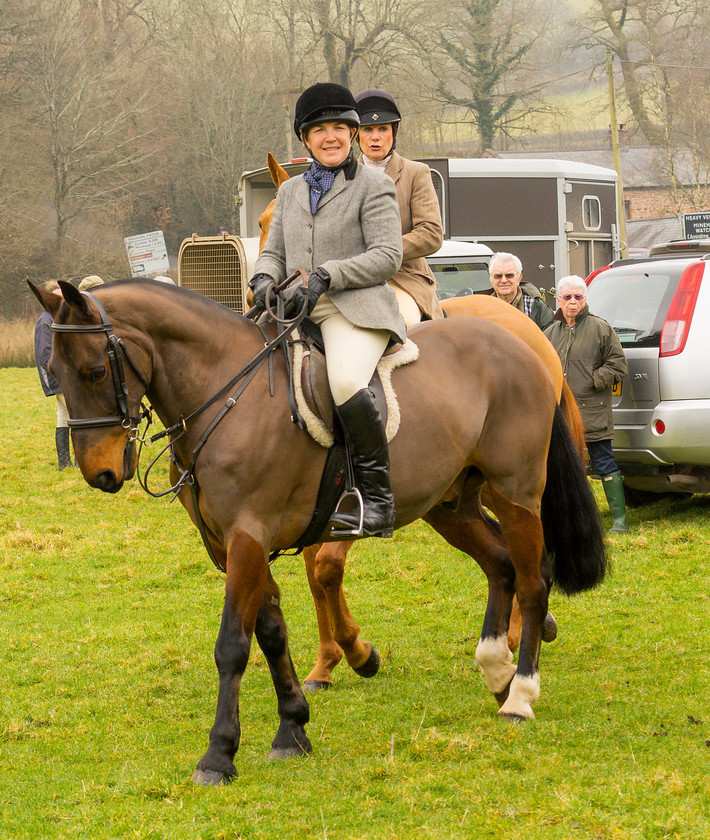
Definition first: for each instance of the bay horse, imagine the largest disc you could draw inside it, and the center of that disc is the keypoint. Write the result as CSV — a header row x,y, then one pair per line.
x,y
338,632
463,403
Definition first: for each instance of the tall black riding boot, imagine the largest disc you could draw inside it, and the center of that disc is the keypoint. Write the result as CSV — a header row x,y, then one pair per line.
x,y
365,431
61,439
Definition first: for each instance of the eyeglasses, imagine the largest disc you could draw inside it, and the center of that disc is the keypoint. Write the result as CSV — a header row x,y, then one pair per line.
x,y
508,276
569,297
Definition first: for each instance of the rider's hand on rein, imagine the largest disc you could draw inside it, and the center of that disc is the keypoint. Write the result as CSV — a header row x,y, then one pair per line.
x,y
318,283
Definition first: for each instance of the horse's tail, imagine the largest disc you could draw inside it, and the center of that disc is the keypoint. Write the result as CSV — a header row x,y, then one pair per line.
x,y
572,525
573,418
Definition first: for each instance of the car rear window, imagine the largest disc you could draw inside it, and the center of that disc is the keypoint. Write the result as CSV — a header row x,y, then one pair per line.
x,y
456,279
634,299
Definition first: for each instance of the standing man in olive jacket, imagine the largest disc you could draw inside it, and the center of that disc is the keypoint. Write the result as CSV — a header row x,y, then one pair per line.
x,y
592,360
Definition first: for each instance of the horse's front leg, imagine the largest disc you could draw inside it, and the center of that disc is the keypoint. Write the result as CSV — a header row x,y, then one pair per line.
x,y
247,573
341,632
272,636
329,651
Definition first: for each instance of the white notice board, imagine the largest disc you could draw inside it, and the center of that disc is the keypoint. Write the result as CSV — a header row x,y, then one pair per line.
x,y
147,253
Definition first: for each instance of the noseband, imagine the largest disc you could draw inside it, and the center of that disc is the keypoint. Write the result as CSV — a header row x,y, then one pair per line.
x,y
116,351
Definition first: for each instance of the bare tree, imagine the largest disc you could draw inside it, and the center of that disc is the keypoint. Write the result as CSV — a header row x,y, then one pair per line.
x,y
483,64
651,39
354,33
226,111
87,105
662,56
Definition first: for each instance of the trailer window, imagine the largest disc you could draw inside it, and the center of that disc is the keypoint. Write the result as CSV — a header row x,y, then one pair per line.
x,y
456,279
591,212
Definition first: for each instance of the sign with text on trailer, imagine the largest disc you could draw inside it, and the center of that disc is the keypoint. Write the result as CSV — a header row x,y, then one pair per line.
x,y
697,225
558,216
147,253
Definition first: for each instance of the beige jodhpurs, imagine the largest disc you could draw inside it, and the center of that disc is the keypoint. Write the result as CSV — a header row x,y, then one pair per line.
x,y
62,412
407,306
351,353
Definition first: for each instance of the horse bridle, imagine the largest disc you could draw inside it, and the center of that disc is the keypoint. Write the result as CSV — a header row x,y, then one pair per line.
x,y
116,352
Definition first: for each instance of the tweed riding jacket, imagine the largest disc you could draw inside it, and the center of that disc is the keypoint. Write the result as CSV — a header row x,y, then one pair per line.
x,y
355,235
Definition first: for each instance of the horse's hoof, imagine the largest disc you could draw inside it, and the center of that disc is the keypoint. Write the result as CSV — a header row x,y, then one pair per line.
x,y
549,628
371,666
278,753
211,778
316,685
512,718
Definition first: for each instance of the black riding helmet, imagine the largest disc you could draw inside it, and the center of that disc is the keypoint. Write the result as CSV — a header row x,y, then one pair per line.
x,y
324,102
377,107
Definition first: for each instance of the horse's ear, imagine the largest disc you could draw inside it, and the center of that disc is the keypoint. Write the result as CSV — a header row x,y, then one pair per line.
x,y
49,300
278,173
76,300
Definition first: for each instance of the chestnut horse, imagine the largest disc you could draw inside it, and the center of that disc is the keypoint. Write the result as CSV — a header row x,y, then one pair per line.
x,y
463,403
338,632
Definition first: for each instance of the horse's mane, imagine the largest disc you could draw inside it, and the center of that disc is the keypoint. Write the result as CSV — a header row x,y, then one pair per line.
x,y
208,309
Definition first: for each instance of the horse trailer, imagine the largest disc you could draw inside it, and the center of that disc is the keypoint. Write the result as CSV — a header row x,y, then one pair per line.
x,y
558,216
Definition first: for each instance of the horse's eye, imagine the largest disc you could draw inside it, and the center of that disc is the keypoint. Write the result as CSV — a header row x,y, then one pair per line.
x,y
96,374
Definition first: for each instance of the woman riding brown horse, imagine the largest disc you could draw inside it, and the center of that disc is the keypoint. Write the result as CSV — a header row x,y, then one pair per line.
x,y
462,404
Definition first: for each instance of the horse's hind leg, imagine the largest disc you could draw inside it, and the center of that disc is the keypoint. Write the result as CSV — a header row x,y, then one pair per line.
x,y
470,530
338,631
272,636
522,530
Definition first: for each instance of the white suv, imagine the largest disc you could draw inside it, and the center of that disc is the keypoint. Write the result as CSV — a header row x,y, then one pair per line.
x,y
660,309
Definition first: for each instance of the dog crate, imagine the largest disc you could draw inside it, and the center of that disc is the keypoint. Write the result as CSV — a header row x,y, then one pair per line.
x,y
216,267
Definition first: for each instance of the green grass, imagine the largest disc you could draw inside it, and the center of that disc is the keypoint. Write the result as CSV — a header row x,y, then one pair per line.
x,y
109,609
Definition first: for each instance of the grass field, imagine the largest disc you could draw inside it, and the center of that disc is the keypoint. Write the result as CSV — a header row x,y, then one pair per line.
x,y
109,609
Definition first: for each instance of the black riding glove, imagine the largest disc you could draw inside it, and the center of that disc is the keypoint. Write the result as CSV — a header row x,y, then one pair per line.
x,y
259,284
318,282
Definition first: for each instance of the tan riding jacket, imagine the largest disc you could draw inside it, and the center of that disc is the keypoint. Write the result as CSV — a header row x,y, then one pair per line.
x,y
422,233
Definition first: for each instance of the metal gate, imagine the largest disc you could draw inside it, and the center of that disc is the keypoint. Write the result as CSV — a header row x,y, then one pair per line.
x,y
216,267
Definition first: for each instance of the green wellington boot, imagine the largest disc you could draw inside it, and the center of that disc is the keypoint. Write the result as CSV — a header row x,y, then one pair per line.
x,y
613,485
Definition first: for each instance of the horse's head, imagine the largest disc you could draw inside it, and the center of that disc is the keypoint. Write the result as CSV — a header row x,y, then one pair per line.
x,y
101,382
278,176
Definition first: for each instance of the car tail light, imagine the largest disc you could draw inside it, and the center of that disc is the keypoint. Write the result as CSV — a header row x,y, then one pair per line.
x,y
659,427
594,273
680,313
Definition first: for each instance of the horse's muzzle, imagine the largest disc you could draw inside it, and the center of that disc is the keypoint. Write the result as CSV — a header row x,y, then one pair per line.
x,y
110,476
107,481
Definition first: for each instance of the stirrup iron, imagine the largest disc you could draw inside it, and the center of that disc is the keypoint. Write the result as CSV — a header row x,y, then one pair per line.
x,y
345,533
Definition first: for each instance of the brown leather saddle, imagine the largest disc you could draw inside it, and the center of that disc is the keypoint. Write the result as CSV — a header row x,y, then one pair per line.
x,y
314,379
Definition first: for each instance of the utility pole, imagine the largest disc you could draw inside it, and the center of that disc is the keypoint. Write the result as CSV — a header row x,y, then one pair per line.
x,y
289,133
617,155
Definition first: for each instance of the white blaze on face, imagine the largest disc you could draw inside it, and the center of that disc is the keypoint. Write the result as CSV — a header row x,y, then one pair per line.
x,y
496,661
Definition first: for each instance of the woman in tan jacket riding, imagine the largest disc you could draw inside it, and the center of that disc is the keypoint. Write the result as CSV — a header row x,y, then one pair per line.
x,y
422,234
